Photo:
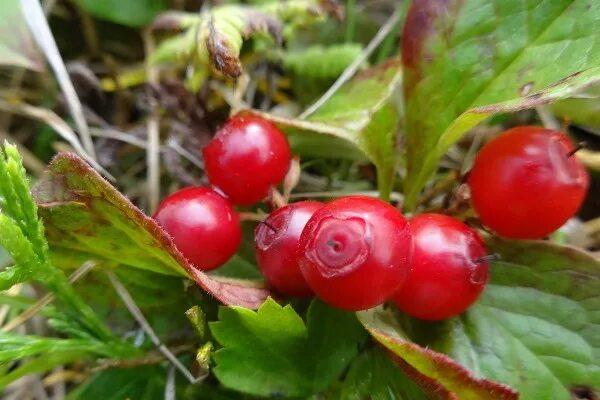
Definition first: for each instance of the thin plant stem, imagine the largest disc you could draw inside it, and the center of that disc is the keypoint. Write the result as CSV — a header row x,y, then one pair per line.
x,y
139,317
356,64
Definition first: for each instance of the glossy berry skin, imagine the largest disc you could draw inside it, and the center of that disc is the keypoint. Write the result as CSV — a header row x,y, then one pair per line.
x,y
525,184
246,156
202,224
448,272
355,252
276,242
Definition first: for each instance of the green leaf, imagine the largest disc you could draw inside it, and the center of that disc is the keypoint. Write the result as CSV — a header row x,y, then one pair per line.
x,y
213,392
544,302
16,202
260,350
238,268
272,352
16,346
374,376
215,37
134,13
17,47
333,340
85,215
16,302
321,63
38,365
198,320
319,141
175,49
365,114
40,354
162,301
312,70
139,383
22,235
446,375
27,266
582,110
467,60
536,327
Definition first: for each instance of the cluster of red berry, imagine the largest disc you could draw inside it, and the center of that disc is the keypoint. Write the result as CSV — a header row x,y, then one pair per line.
x,y
358,252
247,156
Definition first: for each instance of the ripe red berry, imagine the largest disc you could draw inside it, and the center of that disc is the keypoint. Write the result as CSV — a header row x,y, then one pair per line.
x,y
276,241
355,252
449,268
526,183
202,224
246,156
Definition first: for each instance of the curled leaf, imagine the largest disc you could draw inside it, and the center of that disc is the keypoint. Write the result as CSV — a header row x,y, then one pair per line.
x,y
222,52
216,37
228,27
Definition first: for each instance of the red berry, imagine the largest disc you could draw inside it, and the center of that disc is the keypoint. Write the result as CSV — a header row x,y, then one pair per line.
x,y
202,224
276,242
246,156
449,268
354,252
525,183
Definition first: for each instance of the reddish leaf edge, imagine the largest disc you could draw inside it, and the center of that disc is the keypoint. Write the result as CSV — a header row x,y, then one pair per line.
x,y
433,387
227,291
430,386
493,390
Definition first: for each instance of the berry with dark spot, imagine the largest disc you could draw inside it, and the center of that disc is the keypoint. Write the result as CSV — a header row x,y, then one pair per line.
x,y
355,252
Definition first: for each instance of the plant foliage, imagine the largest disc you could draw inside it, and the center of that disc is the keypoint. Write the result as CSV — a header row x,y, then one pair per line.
x,y
280,354
22,235
461,66
215,37
395,128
